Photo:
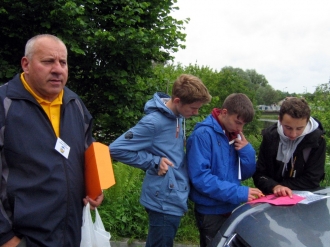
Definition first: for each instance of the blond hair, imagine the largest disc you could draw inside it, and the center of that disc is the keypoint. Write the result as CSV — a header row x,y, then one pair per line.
x,y
190,89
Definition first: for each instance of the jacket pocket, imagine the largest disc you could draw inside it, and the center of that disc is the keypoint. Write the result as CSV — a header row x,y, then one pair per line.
x,y
177,195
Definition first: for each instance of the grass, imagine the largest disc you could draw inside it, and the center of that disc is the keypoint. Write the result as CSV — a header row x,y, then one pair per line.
x,y
269,116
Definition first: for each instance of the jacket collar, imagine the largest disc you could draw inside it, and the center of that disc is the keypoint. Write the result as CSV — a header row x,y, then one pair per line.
x,y
16,90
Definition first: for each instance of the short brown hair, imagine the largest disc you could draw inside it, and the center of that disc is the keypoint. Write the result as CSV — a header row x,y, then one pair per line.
x,y
190,89
295,108
240,104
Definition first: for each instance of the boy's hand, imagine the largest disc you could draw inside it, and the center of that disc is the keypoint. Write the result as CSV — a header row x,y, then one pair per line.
x,y
163,166
280,190
254,193
240,141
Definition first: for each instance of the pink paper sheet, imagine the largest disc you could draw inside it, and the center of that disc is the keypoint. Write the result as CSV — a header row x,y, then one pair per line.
x,y
282,200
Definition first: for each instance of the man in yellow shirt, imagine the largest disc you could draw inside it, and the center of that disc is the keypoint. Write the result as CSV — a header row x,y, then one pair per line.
x,y
45,130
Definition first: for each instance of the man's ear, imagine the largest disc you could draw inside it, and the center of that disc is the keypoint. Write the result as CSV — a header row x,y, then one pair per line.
x,y
24,64
176,100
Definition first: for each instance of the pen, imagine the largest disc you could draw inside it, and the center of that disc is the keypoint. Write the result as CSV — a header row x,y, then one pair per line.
x,y
259,196
239,168
239,160
292,167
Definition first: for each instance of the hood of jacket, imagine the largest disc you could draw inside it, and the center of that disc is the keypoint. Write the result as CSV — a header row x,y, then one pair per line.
x,y
157,103
309,139
211,122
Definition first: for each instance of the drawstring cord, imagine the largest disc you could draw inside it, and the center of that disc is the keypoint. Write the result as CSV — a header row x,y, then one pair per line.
x,y
177,128
184,128
184,132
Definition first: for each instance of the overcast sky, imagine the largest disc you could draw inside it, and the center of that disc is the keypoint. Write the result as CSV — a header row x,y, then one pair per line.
x,y
287,41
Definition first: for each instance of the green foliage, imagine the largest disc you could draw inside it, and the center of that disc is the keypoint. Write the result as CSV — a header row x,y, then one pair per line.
x,y
326,181
267,96
111,47
257,79
320,107
121,212
188,232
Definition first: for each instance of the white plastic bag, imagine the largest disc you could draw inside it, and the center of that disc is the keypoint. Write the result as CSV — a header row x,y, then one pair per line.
x,y
93,234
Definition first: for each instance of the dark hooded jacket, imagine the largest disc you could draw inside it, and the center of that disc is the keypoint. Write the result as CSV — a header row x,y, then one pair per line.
x,y
41,191
308,167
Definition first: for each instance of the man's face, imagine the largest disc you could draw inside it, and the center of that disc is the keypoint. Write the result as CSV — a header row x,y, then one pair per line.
x,y
47,71
189,110
293,127
231,122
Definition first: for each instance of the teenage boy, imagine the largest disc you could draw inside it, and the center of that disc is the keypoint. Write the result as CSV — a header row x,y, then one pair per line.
x,y
218,158
156,145
292,152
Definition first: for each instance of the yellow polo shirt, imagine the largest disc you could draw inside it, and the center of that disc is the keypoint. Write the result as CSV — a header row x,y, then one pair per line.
x,y
52,109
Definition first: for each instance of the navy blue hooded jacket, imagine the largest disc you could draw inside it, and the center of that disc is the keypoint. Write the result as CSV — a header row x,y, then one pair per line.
x,y
41,191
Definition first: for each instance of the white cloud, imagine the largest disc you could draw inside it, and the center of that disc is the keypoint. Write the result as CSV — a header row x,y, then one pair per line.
x,y
287,41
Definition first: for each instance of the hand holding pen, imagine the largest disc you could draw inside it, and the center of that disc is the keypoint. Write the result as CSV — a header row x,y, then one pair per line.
x,y
240,141
254,193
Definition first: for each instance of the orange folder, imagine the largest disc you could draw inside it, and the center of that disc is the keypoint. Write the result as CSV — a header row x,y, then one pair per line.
x,y
98,169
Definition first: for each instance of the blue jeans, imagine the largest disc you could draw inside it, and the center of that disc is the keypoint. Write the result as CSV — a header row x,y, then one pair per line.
x,y
162,229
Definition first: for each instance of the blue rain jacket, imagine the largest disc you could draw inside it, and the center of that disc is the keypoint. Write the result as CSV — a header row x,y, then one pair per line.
x,y
153,137
213,169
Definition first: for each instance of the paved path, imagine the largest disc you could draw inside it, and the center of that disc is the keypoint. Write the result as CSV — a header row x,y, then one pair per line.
x,y
124,243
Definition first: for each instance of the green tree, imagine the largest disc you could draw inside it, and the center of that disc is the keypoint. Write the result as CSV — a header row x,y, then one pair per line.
x,y
111,47
266,95
320,108
257,79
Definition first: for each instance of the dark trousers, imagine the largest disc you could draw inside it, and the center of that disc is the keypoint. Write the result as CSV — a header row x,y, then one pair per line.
x,y
208,226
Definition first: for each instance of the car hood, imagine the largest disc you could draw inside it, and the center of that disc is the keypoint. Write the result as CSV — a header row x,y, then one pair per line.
x,y
263,224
